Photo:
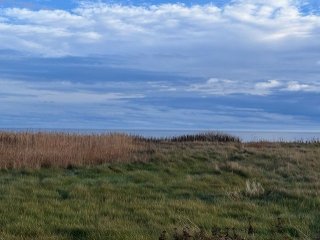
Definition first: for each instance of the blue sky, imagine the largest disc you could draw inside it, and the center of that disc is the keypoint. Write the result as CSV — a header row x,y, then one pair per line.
x,y
220,65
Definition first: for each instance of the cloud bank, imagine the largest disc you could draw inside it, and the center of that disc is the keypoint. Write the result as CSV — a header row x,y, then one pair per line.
x,y
157,64
97,28
260,36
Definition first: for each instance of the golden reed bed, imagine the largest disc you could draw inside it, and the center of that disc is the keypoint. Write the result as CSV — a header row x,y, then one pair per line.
x,y
37,150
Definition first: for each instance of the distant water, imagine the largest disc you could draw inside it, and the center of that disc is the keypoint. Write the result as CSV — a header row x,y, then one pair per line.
x,y
246,136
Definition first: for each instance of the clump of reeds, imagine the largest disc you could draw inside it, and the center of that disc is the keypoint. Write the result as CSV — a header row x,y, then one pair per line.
x,y
205,137
198,137
36,150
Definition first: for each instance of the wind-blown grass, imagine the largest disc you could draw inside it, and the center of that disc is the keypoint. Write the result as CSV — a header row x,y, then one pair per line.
x,y
161,186
36,150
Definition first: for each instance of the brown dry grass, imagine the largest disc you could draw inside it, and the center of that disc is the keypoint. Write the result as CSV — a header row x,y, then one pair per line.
x,y
37,150
43,150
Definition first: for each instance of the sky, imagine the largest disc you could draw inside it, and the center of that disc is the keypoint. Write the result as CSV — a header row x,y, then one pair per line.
x,y
160,64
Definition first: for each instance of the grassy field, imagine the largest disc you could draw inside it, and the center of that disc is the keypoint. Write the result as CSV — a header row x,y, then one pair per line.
x,y
146,187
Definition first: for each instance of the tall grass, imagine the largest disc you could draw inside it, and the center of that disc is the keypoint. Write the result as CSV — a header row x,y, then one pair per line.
x,y
198,137
192,184
43,150
36,150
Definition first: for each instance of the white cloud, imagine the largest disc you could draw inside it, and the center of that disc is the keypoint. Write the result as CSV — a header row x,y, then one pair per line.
x,y
246,40
96,28
266,87
57,92
302,87
47,18
295,86
216,86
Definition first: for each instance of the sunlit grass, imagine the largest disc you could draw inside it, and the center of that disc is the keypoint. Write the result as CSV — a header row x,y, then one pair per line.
x,y
176,184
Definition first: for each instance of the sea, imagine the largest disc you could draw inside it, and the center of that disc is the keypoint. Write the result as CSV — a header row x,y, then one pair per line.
x,y
245,136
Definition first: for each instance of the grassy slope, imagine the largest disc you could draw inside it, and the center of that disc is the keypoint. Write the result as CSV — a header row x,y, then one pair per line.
x,y
183,184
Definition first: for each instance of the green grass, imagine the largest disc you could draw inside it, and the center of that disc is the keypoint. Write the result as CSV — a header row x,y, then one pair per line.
x,y
182,184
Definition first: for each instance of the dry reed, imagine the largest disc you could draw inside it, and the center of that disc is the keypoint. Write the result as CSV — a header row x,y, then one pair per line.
x,y
37,150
